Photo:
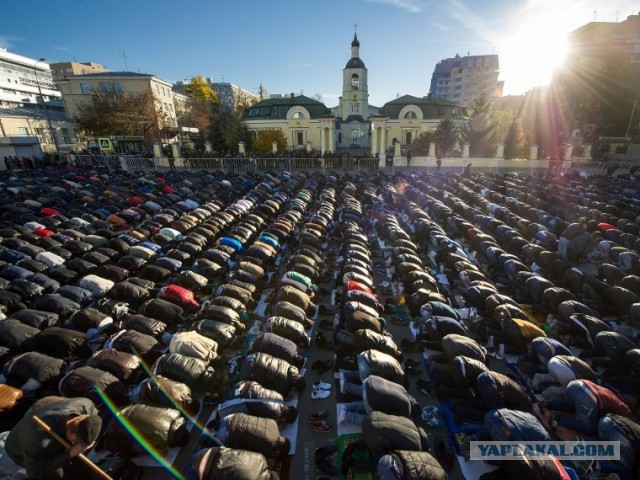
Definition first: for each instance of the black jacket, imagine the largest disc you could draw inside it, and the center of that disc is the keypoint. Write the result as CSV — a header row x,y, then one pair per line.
x,y
275,345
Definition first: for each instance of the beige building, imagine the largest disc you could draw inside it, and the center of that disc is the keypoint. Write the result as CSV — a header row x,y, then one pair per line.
x,y
65,69
26,133
80,88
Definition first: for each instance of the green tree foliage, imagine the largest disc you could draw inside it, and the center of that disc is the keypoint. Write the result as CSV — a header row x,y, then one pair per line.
x,y
199,112
421,144
447,136
110,113
226,129
482,128
265,138
515,143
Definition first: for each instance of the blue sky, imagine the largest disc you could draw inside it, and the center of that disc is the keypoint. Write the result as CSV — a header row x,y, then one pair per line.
x,y
303,45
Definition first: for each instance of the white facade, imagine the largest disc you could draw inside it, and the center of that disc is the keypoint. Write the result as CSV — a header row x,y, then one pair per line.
x,y
20,78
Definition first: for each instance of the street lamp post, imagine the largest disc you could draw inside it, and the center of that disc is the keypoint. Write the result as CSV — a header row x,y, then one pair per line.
x,y
46,112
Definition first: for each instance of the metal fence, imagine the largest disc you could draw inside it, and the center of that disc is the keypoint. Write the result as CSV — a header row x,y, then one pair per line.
x,y
349,165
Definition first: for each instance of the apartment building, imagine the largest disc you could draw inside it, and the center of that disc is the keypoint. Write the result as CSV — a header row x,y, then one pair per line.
x,y
80,88
32,116
463,79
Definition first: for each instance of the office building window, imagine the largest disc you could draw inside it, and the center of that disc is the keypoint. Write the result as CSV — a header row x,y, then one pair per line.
x,y
85,89
66,137
117,88
23,131
105,87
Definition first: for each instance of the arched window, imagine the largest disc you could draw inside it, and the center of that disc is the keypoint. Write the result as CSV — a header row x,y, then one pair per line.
x,y
298,115
410,115
355,81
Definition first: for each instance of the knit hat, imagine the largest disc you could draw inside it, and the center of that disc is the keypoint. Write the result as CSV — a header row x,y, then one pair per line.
x,y
89,428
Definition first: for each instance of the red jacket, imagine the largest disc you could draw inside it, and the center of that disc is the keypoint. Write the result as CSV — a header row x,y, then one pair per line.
x,y
608,402
353,285
180,296
49,212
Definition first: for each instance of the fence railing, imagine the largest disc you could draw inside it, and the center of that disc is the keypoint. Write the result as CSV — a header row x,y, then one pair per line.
x,y
348,165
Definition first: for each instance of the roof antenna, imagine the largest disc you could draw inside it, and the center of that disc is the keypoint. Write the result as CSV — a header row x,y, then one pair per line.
x,y
126,66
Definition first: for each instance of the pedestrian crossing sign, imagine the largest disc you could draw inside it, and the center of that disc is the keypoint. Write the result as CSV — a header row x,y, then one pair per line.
x,y
104,143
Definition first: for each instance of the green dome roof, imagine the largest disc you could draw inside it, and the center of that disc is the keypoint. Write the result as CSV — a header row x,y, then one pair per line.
x,y
355,62
278,107
431,108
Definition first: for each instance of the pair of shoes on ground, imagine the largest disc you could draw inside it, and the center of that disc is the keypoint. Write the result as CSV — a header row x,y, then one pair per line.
x,y
322,426
425,387
346,362
323,463
321,341
319,415
321,390
322,366
411,367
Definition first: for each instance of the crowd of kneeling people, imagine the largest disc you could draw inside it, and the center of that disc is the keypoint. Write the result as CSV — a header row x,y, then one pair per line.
x,y
568,250
123,297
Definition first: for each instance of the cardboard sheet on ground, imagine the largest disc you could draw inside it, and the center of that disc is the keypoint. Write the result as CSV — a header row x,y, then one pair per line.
x,y
262,304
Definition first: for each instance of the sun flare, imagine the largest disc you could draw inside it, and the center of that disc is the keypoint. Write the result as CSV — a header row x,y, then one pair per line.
x,y
532,51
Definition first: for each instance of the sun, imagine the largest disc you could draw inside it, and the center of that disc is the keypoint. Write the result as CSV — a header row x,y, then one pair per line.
x,y
531,52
